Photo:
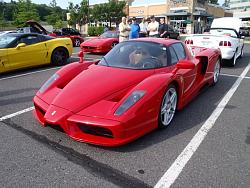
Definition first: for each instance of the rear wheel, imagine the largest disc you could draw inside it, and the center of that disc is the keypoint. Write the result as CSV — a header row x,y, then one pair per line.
x,y
77,42
168,106
232,61
59,56
241,52
114,44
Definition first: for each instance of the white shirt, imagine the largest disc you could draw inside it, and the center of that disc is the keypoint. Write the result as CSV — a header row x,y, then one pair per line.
x,y
143,27
153,26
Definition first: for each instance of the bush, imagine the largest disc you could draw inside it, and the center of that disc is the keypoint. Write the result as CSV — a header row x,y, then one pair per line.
x,y
94,31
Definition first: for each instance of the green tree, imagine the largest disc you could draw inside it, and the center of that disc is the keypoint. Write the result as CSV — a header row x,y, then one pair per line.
x,y
25,11
54,17
78,13
108,12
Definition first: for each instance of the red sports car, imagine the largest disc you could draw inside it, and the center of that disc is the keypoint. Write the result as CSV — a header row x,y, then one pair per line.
x,y
63,33
134,89
74,35
101,44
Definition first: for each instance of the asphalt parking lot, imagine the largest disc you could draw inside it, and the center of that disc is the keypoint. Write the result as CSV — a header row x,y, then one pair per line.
x,y
34,156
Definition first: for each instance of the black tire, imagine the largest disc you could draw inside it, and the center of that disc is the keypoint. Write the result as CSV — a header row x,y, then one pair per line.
x,y
232,61
161,122
59,56
114,44
241,52
77,42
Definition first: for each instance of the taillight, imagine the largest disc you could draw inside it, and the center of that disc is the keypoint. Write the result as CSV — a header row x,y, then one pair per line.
x,y
189,41
225,43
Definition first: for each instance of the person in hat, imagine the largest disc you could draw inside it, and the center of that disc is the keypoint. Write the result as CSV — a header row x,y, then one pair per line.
x,y
135,29
153,27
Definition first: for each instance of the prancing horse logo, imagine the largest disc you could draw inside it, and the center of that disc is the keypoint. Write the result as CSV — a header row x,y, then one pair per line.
x,y
53,113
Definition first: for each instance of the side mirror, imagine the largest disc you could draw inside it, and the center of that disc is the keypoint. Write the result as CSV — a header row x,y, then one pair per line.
x,y
242,37
20,45
185,64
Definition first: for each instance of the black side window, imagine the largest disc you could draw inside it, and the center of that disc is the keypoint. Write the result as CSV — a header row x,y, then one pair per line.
x,y
31,39
174,58
179,50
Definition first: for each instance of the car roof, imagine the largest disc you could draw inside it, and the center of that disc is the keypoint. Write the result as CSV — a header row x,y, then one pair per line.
x,y
166,42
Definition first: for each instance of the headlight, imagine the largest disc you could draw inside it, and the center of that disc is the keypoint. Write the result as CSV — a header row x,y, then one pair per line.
x,y
130,100
51,80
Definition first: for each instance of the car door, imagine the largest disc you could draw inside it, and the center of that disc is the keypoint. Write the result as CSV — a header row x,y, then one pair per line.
x,y
3,60
177,52
33,53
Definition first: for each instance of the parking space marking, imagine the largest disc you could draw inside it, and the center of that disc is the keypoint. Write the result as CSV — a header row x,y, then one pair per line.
x,y
16,113
25,74
236,76
176,168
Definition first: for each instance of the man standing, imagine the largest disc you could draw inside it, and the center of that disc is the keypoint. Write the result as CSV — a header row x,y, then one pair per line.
x,y
163,29
153,27
124,30
143,28
135,29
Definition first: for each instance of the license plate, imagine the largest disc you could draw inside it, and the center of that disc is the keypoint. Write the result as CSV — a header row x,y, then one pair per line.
x,y
206,43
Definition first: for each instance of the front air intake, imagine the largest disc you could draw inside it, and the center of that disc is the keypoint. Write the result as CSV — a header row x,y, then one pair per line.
x,y
94,130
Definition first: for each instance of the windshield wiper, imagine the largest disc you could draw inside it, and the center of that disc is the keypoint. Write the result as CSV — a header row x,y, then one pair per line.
x,y
105,60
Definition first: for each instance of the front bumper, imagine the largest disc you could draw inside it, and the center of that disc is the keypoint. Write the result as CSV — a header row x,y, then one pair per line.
x,y
81,128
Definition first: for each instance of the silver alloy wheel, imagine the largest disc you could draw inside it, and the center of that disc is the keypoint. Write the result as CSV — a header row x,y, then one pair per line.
x,y
77,42
216,71
168,106
113,44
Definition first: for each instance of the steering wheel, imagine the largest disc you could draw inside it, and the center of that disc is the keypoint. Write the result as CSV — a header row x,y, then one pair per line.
x,y
151,62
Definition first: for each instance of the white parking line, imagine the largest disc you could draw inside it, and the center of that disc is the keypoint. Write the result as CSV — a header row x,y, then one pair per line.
x,y
176,168
232,75
16,76
16,113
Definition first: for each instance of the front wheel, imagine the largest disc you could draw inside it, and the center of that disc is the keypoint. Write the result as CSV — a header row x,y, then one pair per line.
x,y
216,72
168,107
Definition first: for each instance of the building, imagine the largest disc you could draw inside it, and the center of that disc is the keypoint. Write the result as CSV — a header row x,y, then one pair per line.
x,y
241,9
191,16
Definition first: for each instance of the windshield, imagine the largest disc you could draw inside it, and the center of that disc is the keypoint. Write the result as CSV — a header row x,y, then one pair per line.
x,y
5,40
109,34
136,55
225,32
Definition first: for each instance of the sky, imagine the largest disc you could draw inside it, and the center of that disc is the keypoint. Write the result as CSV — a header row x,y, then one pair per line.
x,y
64,4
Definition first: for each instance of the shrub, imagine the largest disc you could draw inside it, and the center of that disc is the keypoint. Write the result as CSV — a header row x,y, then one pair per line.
x,y
94,31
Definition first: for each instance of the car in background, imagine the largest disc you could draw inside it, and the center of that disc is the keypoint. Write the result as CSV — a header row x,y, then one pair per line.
x,y
102,44
22,50
245,32
223,34
172,33
62,33
69,32
134,89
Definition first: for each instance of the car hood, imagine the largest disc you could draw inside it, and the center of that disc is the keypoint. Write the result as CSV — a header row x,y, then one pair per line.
x,y
95,84
96,41
227,23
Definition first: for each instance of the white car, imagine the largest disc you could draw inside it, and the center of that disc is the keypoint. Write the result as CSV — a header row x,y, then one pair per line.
x,y
224,34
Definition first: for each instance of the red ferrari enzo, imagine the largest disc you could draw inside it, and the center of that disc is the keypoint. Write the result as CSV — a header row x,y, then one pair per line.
x,y
134,89
101,44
